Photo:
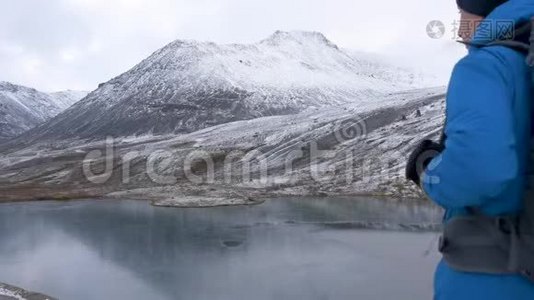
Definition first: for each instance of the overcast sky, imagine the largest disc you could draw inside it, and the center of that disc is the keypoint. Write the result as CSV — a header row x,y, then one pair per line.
x,y
77,44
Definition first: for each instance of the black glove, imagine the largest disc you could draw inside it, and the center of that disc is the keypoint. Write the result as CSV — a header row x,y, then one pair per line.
x,y
420,158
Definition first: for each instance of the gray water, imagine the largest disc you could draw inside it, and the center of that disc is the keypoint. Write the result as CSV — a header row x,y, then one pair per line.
x,y
282,249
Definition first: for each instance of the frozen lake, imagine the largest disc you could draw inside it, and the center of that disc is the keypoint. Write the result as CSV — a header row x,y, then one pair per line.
x,y
283,249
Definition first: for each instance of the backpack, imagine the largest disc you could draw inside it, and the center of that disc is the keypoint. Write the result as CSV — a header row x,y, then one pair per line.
x,y
495,245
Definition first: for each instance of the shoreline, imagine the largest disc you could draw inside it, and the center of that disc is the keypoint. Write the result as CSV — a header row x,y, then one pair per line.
x,y
11,292
204,201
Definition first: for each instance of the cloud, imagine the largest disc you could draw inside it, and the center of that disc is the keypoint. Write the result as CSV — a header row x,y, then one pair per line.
x,y
76,44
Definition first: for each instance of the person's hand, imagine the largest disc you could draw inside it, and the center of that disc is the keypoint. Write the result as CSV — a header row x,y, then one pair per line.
x,y
421,156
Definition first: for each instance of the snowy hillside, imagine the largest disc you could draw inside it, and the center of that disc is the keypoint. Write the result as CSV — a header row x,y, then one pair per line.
x,y
359,151
22,108
66,99
189,85
385,68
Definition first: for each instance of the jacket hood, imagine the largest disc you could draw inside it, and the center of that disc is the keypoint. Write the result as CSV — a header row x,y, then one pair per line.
x,y
503,20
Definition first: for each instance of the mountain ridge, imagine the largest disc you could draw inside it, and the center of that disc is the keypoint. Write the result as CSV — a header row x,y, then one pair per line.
x,y
188,85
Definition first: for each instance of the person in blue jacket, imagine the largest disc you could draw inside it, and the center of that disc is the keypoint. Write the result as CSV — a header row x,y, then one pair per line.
x,y
482,161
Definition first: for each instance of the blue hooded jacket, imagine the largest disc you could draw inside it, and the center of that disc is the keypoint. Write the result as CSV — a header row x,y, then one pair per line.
x,y
485,160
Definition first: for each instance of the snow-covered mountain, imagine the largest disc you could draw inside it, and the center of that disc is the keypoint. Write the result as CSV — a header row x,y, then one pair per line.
x,y
22,108
189,85
294,99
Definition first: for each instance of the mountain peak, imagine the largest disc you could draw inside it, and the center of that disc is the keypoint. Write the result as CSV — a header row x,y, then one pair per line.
x,y
278,38
183,43
302,37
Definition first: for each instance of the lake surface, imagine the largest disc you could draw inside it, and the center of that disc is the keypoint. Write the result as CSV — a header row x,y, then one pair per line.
x,y
282,249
